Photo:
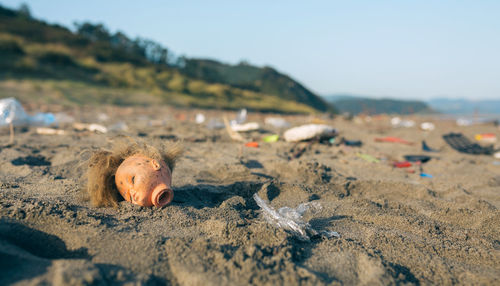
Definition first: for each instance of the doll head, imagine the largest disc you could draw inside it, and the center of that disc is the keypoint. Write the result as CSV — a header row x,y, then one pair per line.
x,y
136,171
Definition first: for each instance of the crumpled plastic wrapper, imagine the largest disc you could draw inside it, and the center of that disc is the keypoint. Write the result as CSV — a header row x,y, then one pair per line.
x,y
290,219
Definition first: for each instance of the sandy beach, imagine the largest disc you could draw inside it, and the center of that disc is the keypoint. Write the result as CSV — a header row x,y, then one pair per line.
x,y
395,226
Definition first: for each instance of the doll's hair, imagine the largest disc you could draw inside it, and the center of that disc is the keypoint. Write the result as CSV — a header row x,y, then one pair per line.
x,y
102,166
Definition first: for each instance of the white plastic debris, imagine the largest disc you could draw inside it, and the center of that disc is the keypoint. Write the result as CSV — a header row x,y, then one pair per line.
x,y
398,122
291,220
90,127
427,126
12,112
464,122
245,127
241,117
200,118
49,131
497,155
307,131
276,122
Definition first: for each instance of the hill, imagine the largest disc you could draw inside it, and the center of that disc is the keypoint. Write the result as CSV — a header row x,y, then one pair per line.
x,y
465,106
356,105
94,66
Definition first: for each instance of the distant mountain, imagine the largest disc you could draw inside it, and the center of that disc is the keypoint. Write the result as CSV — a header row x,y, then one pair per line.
x,y
363,105
93,66
465,106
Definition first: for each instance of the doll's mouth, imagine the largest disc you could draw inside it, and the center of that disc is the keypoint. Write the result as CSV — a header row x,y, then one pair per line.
x,y
162,197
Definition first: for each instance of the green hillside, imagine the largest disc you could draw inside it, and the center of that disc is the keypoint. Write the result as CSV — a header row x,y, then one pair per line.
x,y
44,62
362,105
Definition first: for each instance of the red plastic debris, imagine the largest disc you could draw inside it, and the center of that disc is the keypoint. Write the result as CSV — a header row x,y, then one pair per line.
x,y
404,164
393,140
252,144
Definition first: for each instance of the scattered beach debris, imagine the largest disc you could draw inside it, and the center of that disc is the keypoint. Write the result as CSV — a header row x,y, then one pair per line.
x,y
140,173
464,122
426,147
398,122
12,114
309,131
233,134
291,219
496,163
417,158
497,155
486,137
425,175
393,140
351,143
403,164
199,118
93,127
368,158
271,138
460,143
245,127
427,126
49,131
276,122
241,117
252,144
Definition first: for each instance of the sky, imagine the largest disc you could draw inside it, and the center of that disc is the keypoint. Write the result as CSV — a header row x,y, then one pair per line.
x,y
397,49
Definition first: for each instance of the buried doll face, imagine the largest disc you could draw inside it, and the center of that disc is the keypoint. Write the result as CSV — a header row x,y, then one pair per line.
x,y
144,181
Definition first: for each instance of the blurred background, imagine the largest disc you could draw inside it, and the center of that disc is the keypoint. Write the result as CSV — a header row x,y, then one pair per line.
x,y
282,56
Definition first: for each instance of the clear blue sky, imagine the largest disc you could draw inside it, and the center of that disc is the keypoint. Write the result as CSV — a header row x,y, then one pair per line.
x,y
401,49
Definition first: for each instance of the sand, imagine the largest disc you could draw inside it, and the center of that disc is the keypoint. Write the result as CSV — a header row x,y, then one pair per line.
x,y
395,226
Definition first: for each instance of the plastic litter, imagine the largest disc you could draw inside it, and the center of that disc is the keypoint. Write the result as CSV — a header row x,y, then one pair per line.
x,y
291,219
271,138
460,143
49,131
427,126
486,137
199,118
404,164
497,155
90,127
351,143
417,158
233,134
393,140
368,158
276,122
309,131
464,122
241,117
398,122
425,175
252,144
426,147
245,127
496,163
12,112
